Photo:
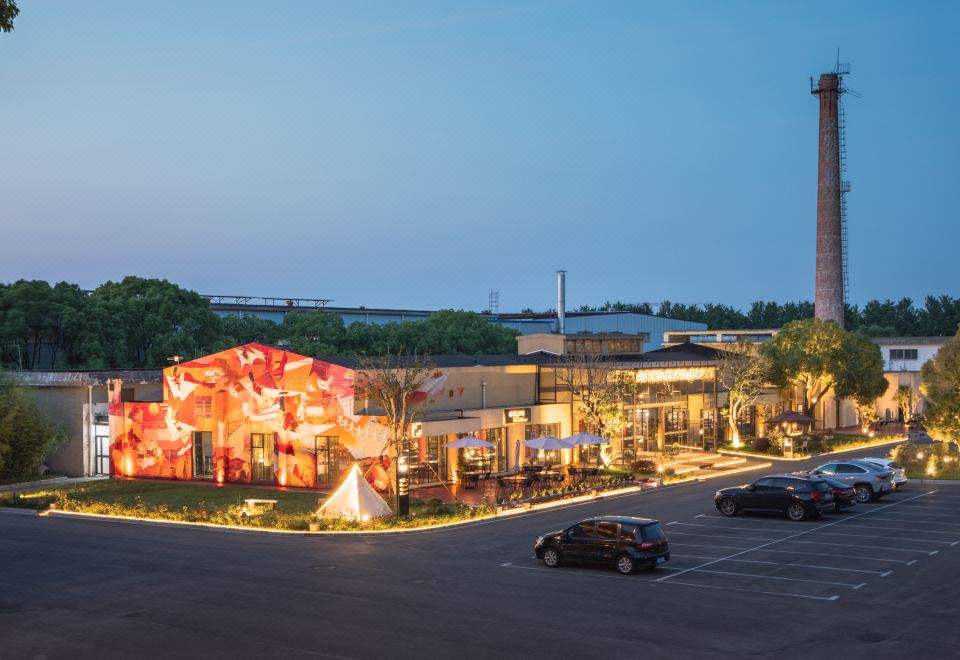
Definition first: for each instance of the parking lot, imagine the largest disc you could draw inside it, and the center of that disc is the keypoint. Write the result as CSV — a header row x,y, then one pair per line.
x,y
864,547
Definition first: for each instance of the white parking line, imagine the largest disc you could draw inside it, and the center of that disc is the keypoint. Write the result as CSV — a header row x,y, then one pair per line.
x,y
913,507
887,538
779,563
798,534
732,536
749,591
854,545
924,513
749,529
773,577
787,552
902,529
914,519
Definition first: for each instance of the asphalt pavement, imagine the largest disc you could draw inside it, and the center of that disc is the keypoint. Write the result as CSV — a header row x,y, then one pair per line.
x,y
877,581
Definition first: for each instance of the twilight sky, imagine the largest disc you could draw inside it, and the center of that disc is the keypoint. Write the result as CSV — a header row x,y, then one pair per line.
x,y
419,154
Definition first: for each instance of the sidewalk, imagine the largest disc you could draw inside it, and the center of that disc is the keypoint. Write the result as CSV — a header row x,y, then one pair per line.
x,y
55,481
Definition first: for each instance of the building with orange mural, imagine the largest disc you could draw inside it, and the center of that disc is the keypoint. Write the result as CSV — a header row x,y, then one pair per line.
x,y
245,415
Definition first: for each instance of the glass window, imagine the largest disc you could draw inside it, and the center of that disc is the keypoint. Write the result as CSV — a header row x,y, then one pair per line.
x,y
766,483
488,459
542,457
628,532
262,447
847,468
427,459
608,530
584,529
331,460
202,454
653,532
203,406
830,468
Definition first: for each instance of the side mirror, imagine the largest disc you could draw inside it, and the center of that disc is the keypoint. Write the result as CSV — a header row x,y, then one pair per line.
x,y
751,487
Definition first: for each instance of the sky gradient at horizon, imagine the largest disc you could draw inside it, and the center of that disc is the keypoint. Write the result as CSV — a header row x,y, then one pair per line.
x,y
418,155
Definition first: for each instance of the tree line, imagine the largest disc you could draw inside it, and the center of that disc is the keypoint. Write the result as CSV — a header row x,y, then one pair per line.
x,y
139,322
938,316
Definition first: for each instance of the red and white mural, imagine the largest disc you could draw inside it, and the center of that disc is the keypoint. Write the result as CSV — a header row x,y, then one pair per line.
x,y
250,413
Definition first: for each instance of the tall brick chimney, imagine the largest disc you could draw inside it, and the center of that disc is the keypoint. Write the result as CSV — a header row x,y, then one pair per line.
x,y
829,298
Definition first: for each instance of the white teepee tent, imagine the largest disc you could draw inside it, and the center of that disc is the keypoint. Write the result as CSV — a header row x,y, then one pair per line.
x,y
356,499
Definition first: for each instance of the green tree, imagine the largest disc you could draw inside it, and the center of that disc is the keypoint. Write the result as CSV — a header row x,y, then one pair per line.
x,y
149,321
8,12
742,372
314,333
941,387
26,435
820,355
236,330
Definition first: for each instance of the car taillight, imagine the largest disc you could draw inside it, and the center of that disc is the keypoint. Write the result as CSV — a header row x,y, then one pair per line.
x,y
649,545
816,495
838,491
883,476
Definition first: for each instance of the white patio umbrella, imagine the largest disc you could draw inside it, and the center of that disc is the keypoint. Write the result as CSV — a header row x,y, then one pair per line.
x,y
547,442
586,439
469,442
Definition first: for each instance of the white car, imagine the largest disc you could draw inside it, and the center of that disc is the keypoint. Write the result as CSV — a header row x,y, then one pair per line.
x,y
899,474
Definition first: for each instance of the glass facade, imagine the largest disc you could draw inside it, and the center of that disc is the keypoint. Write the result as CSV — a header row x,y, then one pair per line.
x,y
486,459
427,459
541,457
202,454
332,460
261,456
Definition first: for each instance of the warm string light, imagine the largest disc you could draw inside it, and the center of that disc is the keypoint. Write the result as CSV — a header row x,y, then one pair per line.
x,y
673,375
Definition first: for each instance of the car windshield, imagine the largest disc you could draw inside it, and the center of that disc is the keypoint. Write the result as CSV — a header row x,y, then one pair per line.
x,y
652,532
894,465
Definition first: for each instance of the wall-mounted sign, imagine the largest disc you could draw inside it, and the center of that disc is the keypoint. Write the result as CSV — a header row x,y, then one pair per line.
x,y
516,415
416,429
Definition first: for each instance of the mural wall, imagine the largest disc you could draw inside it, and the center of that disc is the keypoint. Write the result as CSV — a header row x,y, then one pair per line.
x,y
247,414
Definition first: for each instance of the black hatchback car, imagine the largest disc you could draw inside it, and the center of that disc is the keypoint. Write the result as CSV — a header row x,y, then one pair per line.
x,y
796,496
622,542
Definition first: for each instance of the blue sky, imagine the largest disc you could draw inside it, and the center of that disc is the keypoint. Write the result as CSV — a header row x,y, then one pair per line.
x,y
419,154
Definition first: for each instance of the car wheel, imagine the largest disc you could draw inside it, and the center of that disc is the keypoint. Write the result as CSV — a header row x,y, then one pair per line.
x,y
864,493
625,564
728,506
796,511
551,557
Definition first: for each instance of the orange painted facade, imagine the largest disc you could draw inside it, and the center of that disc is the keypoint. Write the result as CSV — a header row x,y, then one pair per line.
x,y
247,414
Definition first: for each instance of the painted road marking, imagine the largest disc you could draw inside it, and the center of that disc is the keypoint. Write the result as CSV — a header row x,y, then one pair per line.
x,y
734,537
789,538
769,577
901,529
888,538
749,591
854,545
781,563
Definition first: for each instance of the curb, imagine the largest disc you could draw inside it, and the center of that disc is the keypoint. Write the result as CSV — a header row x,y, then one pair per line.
x,y
742,454
17,511
56,513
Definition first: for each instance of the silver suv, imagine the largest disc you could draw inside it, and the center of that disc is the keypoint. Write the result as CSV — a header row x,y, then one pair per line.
x,y
871,481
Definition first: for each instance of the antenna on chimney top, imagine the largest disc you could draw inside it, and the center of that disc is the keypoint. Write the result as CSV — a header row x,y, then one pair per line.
x,y
493,301
561,301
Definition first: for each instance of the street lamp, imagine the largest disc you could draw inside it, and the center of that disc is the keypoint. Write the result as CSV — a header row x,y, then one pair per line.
x,y
403,485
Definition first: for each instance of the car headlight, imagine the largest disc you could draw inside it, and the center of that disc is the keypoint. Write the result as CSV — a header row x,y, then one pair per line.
x,y
717,494
539,541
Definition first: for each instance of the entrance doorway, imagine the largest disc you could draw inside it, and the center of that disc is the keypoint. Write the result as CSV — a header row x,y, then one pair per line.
x,y
202,454
261,458
101,455
328,460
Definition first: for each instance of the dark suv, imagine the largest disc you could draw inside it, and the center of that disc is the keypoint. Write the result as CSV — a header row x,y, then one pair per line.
x,y
622,542
796,496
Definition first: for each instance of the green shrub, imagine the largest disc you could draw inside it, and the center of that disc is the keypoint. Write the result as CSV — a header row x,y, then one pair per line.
x,y
27,437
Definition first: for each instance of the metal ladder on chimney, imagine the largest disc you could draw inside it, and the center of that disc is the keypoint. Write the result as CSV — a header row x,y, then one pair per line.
x,y
844,189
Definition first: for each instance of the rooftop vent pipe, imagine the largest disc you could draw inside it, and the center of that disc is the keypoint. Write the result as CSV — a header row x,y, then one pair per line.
x,y
561,301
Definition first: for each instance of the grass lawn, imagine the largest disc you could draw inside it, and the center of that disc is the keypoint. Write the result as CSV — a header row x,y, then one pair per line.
x,y
919,471
175,496
190,502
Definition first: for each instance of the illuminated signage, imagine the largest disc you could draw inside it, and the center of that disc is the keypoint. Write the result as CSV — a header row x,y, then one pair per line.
x,y
516,415
416,430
